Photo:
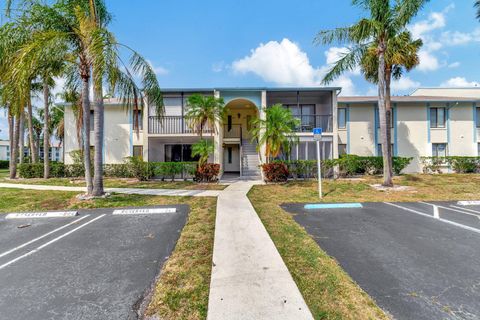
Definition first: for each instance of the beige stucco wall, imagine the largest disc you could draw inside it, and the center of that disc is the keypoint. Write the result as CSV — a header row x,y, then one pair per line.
x,y
462,132
361,129
412,134
118,134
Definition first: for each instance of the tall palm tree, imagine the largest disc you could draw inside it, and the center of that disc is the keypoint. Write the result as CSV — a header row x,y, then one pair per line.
x,y
276,131
386,20
401,56
77,29
204,111
477,6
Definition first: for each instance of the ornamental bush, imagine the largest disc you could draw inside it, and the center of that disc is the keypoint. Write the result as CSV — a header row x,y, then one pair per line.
x,y
275,172
207,172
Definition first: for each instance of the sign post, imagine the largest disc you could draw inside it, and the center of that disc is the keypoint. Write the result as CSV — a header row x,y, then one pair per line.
x,y
317,136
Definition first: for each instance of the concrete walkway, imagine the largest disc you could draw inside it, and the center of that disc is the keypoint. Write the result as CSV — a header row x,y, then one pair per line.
x,y
249,278
150,192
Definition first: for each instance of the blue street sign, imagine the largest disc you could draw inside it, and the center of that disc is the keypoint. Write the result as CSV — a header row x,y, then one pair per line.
x,y
317,131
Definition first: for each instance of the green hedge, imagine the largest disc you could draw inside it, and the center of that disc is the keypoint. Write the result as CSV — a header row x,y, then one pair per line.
x,y
349,165
457,164
132,168
4,164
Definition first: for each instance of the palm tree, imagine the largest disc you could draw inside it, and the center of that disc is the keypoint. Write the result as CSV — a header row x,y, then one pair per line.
x,y
477,6
204,111
203,149
276,131
76,28
385,22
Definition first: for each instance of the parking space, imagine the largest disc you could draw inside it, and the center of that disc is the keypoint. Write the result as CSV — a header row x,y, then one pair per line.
x,y
417,260
97,265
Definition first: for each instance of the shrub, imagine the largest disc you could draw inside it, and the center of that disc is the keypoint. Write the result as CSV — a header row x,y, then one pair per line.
x,y
168,169
400,163
432,164
76,170
30,170
275,172
464,164
4,164
137,168
207,172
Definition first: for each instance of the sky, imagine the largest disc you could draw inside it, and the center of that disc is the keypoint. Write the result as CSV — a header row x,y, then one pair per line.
x,y
246,43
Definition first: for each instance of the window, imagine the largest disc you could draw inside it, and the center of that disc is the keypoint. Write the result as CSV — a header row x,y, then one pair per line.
x,y
229,154
342,118
179,153
229,122
138,151
92,120
437,117
342,149
439,149
305,113
8,152
140,119
379,149
478,117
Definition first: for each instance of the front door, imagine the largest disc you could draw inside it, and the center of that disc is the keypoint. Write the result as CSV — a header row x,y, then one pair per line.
x,y
231,158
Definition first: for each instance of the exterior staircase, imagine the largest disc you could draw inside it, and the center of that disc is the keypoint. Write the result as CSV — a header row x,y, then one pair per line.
x,y
249,160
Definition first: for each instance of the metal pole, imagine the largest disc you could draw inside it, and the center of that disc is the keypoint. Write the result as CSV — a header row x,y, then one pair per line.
x,y
319,171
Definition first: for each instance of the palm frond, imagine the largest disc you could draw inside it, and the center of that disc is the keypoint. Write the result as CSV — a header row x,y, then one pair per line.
x,y
347,62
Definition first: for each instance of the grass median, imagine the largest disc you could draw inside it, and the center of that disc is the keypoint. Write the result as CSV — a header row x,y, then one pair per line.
x,y
182,289
118,183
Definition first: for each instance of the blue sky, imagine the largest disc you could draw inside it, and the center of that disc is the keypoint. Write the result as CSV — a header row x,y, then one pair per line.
x,y
220,43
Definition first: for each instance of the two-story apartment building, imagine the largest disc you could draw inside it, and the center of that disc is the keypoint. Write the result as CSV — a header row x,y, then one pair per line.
x,y
429,122
169,137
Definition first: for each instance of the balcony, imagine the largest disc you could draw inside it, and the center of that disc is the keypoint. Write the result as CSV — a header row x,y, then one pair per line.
x,y
233,131
308,122
173,125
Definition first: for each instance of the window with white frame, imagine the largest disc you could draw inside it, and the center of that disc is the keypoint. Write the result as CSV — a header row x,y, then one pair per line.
x,y
439,149
478,117
437,117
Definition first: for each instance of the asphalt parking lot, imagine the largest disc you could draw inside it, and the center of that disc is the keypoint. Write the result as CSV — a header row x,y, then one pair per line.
x,y
415,261
96,265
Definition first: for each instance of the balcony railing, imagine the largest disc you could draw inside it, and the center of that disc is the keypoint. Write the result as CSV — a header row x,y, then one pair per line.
x,y
173,125
232,131
308,122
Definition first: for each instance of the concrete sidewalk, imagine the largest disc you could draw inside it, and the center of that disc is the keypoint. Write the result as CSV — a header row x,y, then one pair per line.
x,y
150,192
249,278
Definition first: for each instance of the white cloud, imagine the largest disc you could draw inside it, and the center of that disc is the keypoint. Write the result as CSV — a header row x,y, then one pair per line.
x,y
455,38
459,82
436,20
284,63
404,84
159,70
455,64
428,61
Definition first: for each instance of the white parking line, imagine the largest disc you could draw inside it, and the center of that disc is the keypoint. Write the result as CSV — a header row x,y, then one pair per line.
x,y
144,211
451,209
49,243
41,237
471,210
432,217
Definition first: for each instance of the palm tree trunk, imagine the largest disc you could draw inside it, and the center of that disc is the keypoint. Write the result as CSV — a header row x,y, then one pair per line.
x,y
389,115
11,130
86,133
98,156
33,151
14,150
387,176
46,137
21,140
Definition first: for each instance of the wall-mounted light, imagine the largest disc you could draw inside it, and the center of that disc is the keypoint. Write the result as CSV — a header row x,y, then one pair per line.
x,y
238,115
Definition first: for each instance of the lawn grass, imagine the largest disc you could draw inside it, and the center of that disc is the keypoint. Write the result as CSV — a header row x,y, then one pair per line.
x,y
329,292
182,289
120,183
4,173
